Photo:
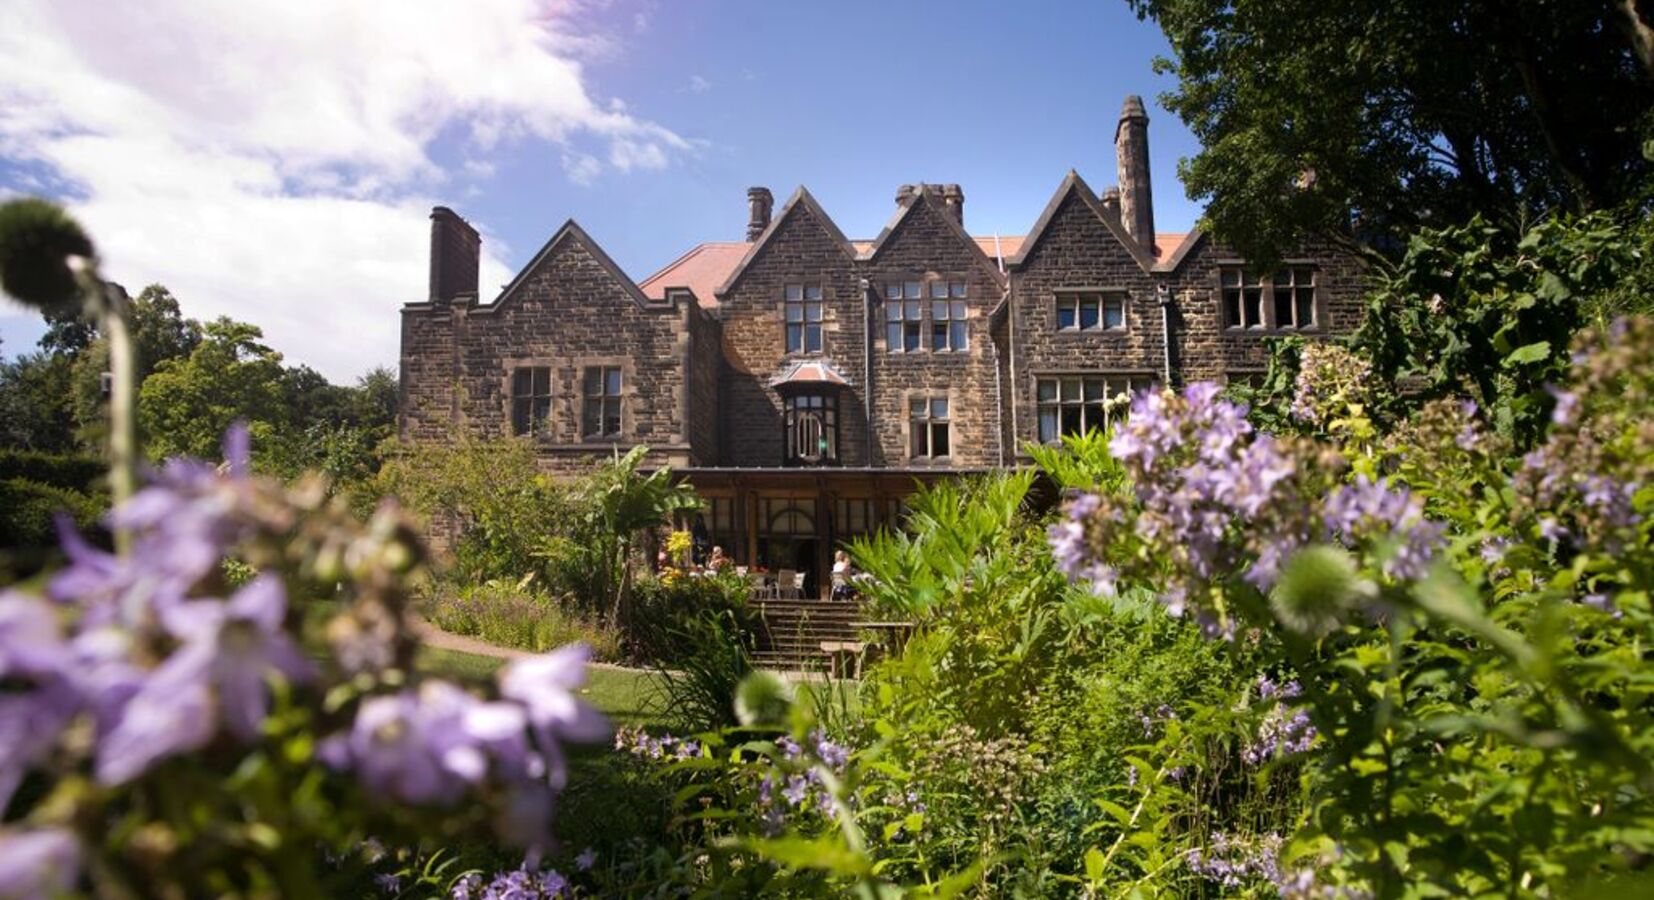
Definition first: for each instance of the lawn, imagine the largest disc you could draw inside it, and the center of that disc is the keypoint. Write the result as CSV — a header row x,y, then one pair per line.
x,y
627,696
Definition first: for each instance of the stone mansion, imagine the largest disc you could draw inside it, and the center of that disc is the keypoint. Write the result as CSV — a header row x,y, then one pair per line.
x,y
804,382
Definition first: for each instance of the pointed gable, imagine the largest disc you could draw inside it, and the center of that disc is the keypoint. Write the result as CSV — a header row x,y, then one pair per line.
x,y
800,207
1073,189
571,237
925,209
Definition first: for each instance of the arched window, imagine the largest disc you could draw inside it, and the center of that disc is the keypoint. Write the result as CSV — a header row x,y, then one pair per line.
x,y
811,429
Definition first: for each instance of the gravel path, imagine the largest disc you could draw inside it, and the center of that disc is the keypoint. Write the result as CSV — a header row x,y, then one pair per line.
x,y
432,636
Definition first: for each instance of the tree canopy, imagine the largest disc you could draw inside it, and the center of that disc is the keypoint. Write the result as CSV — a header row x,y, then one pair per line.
x,y
1377,118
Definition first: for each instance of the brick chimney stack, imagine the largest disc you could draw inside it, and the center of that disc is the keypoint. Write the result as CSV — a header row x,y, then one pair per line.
x,y
759,202
953,200
1131,151
905,194
455,251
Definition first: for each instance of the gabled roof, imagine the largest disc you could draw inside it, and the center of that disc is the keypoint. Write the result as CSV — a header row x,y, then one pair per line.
x,y
1072,183
928,194
571,231
800,198
701,270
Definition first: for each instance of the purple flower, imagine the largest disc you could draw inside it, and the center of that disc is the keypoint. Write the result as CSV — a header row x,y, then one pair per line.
x,y
170,713
388,883
586,859
38,864
239,644
795,790
1566,410
545,686
412,747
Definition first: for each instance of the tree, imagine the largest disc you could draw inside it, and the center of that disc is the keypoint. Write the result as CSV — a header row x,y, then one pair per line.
x,y
159,332
187,403
1314,117
622,503
375,401
35,412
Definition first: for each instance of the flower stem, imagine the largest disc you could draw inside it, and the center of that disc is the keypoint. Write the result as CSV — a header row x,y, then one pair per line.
x,y
123,413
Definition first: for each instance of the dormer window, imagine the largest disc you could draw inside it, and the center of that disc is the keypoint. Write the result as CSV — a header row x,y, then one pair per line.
x,y
803,306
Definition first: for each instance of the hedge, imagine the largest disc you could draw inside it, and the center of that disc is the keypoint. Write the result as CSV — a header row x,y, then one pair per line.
x,y
73,472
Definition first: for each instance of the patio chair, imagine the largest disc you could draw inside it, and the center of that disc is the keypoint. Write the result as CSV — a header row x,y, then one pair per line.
x,y
798,585
786,584
761,587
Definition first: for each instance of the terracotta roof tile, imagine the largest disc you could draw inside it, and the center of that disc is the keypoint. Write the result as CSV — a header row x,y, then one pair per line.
x,y
809,372
707,266
702,270
1167,242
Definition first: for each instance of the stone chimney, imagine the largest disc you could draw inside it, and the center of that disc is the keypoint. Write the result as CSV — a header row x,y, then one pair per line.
x,y
759,203
1131,151
906,193
953,200
455,250
1111,202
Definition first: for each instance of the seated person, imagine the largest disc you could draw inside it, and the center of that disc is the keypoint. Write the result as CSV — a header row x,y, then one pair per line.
x,y
718,561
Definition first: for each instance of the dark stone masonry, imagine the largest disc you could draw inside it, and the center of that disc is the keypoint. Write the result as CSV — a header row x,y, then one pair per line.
x,y
805,382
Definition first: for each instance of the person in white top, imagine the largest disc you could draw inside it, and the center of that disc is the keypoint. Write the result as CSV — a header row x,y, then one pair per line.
x,y
841,576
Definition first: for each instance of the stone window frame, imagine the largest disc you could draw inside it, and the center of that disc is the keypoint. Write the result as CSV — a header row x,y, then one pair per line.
x,y
1266,283
827,410
803,303
628,389
909,420
1061,295
508,398
1136,379
903,324
954,303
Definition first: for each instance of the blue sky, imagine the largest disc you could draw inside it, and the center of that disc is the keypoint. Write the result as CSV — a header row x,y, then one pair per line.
x,y
273,161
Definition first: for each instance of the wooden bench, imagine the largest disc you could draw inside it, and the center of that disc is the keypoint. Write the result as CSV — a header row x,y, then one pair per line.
x,y
842,656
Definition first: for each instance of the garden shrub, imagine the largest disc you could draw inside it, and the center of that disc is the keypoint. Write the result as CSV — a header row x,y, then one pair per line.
x,y
674,602
79,473
518,616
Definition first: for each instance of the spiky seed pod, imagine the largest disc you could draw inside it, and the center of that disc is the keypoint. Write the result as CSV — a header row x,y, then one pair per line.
x,y
1318,587
37,241
763,699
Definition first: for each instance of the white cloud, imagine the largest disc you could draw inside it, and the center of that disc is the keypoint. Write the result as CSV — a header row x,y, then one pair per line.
x,y
699,85
265,159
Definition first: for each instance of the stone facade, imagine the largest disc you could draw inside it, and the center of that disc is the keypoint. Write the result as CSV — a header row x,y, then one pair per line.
x,y
1090,296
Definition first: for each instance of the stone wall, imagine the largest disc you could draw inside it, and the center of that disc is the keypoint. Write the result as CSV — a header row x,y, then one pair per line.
x,y
1078,252
1206,348
924,246
568,312
801,249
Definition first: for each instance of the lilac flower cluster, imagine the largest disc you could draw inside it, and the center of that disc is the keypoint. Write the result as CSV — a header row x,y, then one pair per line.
x,y
1284,730
1378,514
1232,861
145,651
435,744
1331,380
158,669
1214,498
799,783
1580,488
518,884
640,743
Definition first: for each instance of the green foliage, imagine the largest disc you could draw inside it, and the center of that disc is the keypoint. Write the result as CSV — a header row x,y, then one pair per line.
x,y
35,403
1419,114
27,513
709,666
669,606
1467,311
81,473
620,503
186,404
513,615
